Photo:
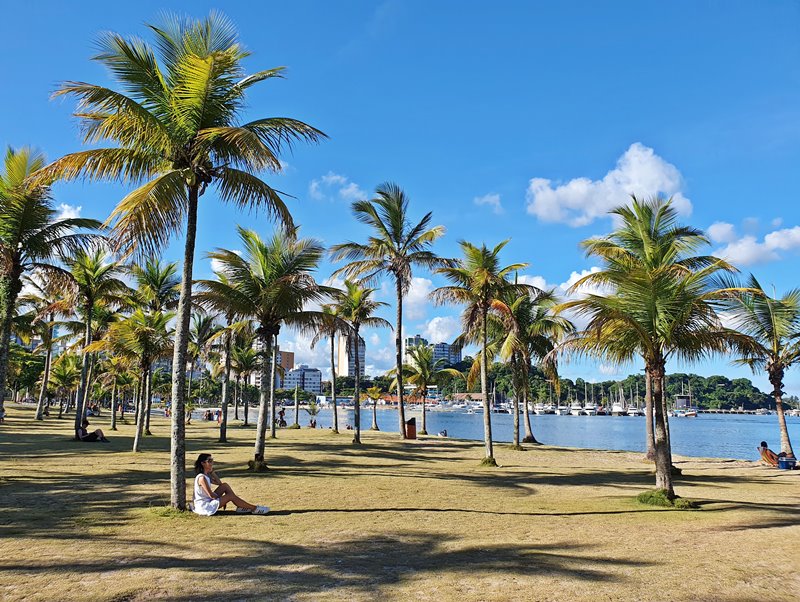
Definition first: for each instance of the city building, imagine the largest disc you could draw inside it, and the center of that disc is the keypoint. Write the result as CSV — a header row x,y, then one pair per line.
x,y
346,362
305,378
285,360
415,341
445,351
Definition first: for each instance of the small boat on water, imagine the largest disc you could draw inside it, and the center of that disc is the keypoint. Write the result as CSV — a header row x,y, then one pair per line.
x,y
538,409
575,408
589,409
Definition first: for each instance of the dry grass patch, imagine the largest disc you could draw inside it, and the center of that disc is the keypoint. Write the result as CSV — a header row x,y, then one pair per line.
x,y
389,520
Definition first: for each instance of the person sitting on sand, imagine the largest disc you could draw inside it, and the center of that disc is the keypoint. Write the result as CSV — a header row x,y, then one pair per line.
x,y
768,456
84,435
206,501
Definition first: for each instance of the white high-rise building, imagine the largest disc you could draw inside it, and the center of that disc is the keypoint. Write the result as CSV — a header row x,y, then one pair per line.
x,y
303,377
346,364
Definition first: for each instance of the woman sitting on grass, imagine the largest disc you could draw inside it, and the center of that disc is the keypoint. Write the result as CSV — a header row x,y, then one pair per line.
x,y
207,502
87,437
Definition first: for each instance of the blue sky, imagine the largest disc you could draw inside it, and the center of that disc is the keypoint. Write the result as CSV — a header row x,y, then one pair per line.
x,y
523,120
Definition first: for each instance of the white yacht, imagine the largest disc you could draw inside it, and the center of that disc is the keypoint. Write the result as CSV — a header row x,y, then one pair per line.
x,y
590,409
575,408
538,409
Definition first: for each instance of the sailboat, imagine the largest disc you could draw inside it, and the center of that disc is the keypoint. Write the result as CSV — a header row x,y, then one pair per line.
x,y
589,408
575,408
618,407
634,409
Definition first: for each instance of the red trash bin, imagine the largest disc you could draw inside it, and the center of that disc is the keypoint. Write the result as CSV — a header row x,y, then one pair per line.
x,y
411,428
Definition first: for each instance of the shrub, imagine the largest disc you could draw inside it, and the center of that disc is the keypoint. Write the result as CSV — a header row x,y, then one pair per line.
x,y
659,497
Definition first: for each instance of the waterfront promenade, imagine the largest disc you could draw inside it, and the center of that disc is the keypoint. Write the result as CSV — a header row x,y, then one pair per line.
x,y
389,520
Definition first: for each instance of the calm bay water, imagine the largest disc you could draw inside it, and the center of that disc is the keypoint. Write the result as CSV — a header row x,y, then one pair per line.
x,y
708,435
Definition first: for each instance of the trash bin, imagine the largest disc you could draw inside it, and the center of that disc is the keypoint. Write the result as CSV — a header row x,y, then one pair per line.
x,y
411,428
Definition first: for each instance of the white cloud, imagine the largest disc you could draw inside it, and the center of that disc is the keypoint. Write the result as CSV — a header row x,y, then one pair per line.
x,y
374,339
492,199
777,222
562,290
416,301
68,211
335,185
609,370
582,200
748,250
722,232
441,329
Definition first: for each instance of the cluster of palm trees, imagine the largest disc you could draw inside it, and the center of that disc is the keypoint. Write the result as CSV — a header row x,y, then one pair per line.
x,y
172,130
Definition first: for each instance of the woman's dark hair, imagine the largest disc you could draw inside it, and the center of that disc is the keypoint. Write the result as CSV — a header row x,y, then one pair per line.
x,y
763,444
198,465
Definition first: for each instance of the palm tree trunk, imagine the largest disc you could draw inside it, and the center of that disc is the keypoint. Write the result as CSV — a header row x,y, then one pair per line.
x,y
663,457
191,378
516,377
177,473
357,392
45,377
424,430
263,410
89,378
148,400
80,409
144,386
776,379
374,426
246,400
226,378
114,407
333,388
648,411
487,410
398,343
236,397
61,407
10,286
273,368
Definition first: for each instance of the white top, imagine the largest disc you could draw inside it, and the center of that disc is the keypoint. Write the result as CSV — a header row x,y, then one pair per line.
x,y
203,504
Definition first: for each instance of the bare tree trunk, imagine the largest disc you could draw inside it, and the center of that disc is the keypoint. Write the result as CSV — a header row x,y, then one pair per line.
x,y
226,379
374,426
10,286
273,371
144,385
648,412
487,409
177,474
333,388
776,379
398,342
80,409
114,407
357,392
246,402
662,454
148,400
263,410
424,430
45,377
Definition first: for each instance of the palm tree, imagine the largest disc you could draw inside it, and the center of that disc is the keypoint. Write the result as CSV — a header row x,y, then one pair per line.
x,y
93,280
330,327
422,371
244,361
115,370
176,124
142,338
64,376
157,285
478,281
355,306
659,304
374,393
30,234
772,328
394,248
204,329
529,329
270,283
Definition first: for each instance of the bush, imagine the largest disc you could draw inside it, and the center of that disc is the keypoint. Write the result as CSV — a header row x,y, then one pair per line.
x,y
489,462
659,497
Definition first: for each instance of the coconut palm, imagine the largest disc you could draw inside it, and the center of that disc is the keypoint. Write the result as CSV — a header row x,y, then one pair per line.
x,y
204,329
395,247
244,361
772,328
93,282
355,306
478,280
115,371
330,327
157,285
270,283
660,303
30,235
374,394
529,330
422,371
65,375
175,121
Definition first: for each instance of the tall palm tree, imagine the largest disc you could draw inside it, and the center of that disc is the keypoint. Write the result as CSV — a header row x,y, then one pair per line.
x,y
157,285
115,369
30,235
176,124
355,306
422,371
64,376
244,361
374,393
395,247
270,283
330,327
530,330
93,280
660,303
772,328
204,329
478,280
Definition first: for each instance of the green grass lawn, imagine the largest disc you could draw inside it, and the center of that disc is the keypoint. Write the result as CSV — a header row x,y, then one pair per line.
x,y
389,520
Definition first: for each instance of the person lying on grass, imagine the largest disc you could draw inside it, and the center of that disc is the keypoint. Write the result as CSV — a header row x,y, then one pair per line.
x,y
768,456
84,434
206,501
